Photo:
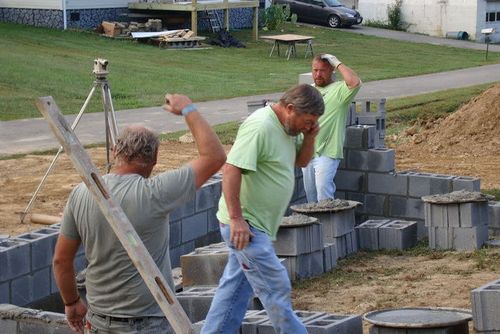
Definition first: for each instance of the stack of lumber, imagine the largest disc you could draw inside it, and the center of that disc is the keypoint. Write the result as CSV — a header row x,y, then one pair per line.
x,y
180,39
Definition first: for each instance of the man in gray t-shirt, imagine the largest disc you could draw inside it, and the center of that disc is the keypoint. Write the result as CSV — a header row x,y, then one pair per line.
x,y
118,299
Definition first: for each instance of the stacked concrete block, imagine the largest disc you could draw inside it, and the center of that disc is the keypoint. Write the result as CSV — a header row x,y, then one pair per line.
x,y
398,234
485,307
376,160
205,265
304,316
329,257
465,183
361,137
346,244
494,218
335,324
368,233
460,226
252,321
304,265
293,240
422,184
367,116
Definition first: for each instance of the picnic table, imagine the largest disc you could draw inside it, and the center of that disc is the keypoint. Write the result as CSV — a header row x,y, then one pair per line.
x,y
290,40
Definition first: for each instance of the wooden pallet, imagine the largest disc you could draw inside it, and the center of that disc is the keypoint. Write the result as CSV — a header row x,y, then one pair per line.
x,y
178,42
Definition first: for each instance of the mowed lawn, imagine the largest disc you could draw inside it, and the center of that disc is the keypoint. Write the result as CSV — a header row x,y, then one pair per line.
x,y
39,62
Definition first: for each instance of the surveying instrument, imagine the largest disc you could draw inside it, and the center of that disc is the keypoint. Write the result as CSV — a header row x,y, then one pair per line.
x,y
101,81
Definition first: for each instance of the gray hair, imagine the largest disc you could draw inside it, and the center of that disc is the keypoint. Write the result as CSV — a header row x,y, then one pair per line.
x,y
305,98
136,144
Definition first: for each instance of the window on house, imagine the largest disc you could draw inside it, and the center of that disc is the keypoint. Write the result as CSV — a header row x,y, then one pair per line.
x,y
490,17
498,16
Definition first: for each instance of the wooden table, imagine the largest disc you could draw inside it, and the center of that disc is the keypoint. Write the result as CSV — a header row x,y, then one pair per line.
x,y
290,40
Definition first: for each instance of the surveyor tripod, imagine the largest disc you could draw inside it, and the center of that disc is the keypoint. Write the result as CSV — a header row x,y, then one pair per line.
x,y
101,81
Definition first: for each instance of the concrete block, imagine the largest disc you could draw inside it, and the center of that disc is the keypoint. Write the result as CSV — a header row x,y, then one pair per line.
x,y
8,326
376,204
462,328
335,323
485,305
298,240
41,247
465,183
304,316
335,224
381,160
458,238
53,284
406,208
346,180
194,226
357,160
329,257
175,233
14,259
304,265
368,234
398,234
422,184
473,214
204,199
360,137
357,197
391,184
4,293
252,320
494,214
205,265
196,301
177,252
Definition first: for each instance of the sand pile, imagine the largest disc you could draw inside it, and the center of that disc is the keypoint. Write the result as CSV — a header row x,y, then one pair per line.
x,y
474,129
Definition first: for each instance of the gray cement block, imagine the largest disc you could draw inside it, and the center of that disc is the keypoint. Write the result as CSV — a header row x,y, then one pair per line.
x,y
8,326
14,259
194,226
360,137
297,240
41,247
473,214
177,252
329,257
462,328
381,160
304,265
205,198
335,224
4,293
406,208
494,214
458,238
485,305
466,183
376,205
356,160
196,301
388,184
204,266
347,180
368,234
252,320
422,184
346,244
398,234
335,324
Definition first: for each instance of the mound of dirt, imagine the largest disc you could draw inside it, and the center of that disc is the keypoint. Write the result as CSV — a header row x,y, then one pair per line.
x,y
471,130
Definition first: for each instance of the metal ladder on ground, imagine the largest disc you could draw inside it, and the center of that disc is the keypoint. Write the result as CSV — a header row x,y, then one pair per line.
x,y
213,20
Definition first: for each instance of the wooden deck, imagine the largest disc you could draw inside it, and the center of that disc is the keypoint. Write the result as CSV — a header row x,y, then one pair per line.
x,y
195,6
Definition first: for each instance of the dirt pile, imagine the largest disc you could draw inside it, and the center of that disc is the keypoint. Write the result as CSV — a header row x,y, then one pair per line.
x,y
474,129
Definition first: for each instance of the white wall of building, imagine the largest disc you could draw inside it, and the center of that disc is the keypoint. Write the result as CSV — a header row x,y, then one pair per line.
x,y
435,17
34,4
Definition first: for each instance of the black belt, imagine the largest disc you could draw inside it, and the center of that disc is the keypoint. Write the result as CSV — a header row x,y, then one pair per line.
x,y
106,317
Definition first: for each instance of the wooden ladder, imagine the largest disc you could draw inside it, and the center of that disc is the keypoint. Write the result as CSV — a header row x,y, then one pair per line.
x,y
116,217
213,20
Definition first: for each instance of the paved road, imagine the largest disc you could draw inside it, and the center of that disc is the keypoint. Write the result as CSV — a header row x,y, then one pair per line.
x,y
24,136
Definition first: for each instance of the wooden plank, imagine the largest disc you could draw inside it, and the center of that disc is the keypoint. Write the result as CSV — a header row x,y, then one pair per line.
x,y
116,217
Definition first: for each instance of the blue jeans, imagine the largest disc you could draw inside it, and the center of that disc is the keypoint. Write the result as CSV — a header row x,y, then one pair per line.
x,y
318,178
256,268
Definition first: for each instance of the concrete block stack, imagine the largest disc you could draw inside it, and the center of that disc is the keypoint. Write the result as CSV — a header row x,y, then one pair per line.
x,y
494,218
300,243
338,220
387,234
458,220
205,265
367,116
485,306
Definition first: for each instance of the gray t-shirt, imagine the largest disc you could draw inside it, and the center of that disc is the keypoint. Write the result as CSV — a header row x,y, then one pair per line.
x,y
114,286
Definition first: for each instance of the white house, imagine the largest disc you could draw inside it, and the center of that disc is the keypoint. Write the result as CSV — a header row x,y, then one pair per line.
x,y
439,17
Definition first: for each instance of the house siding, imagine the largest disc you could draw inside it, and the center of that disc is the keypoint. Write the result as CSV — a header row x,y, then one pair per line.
x,y
436,18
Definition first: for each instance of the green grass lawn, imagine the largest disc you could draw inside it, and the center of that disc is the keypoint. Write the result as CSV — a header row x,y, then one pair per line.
x,y
38,62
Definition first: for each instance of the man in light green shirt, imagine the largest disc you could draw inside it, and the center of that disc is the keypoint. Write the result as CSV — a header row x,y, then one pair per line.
x,y
258,181
337,95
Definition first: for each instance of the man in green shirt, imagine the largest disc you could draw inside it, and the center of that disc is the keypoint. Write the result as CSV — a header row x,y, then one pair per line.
x,y
337,95
258,182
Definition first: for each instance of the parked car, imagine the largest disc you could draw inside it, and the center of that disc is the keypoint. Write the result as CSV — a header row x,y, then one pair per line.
x,y
329,12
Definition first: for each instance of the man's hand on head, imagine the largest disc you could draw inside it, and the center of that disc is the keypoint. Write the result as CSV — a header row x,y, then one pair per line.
x,y
332,60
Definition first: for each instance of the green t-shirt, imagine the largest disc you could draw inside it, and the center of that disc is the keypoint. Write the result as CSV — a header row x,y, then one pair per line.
x,y
114,286
266,155
330,139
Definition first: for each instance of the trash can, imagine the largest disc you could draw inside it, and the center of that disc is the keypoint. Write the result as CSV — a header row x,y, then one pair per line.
x,y
461,35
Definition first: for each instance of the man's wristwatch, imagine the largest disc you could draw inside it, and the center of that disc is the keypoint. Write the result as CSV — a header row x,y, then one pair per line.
x,y
189,108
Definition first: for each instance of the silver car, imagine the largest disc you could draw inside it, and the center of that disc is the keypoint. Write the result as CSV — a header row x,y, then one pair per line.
x,y
329,12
